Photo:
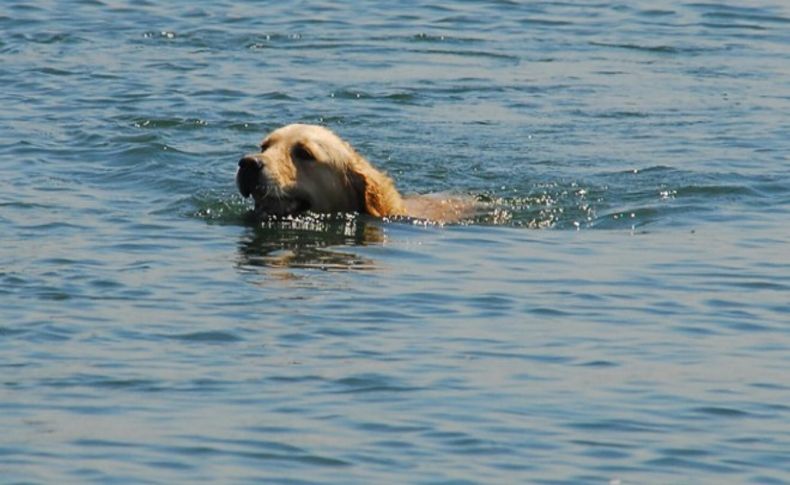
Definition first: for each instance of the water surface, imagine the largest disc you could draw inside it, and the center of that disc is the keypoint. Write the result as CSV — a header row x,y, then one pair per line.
x,y
618,315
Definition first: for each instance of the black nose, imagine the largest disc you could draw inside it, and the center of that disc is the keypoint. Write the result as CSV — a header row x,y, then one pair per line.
x,y
249,175
249,163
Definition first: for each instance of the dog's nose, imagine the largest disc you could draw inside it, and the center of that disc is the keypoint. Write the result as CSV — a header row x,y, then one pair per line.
x,y
249,163
249,175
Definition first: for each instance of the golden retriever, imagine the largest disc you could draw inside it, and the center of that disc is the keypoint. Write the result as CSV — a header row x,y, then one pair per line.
x,y
308,168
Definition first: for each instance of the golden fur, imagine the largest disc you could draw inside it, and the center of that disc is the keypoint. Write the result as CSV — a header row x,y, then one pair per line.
x,y
307,167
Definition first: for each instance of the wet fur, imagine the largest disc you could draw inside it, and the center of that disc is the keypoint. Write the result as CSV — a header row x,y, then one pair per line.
x,y
307,167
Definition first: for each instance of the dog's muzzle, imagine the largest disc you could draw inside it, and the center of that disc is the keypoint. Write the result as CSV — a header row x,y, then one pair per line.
x,y
248,178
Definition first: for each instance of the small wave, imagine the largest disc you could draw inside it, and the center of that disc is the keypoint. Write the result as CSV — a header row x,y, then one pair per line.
x,y
434,38
544,22
753,15
618,426
617,114
168,123
371,383
720,412
49,38
468,53
217,337
398,97
738,26
623,199
52,71
221,209
655,12
655,49
676,463
715,191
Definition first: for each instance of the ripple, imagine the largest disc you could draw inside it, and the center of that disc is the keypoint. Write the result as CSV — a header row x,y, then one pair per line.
x,y
51,71
733,13
720,412
467,53
168,123
545,22
100,443
600,364
733,26
210,337
288,454
657,49
371,383
389,428
47,38
675,463
617,426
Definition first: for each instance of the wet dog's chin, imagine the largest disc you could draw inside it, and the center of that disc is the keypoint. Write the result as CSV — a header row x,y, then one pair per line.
x,y
279,207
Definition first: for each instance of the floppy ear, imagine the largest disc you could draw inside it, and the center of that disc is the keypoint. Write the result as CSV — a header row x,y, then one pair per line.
x,y
376,194
369,199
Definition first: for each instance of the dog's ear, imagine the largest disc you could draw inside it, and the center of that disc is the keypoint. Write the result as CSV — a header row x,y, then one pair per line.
x,y
375,191
368,189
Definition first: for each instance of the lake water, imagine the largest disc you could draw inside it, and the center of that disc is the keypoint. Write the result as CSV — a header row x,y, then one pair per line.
x,y
620,314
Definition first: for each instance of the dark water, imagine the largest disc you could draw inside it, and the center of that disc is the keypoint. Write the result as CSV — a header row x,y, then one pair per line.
x,y
621,314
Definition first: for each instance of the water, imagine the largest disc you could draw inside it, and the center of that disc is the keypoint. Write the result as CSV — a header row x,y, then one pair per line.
x,y
619,315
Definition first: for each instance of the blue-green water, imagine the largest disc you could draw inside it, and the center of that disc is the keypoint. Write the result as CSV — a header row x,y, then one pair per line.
x,y
620,315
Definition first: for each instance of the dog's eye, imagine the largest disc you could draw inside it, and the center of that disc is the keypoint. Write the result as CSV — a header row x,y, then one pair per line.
x,y
299,152
264,146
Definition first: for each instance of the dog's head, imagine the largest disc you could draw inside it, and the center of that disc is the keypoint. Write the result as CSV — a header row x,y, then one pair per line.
x,y
308,168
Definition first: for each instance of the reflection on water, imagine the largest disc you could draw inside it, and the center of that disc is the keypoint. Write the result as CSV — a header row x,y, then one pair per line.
x,y
306,242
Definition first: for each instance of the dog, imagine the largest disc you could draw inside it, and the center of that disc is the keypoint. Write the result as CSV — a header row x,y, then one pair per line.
x,y
302,168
